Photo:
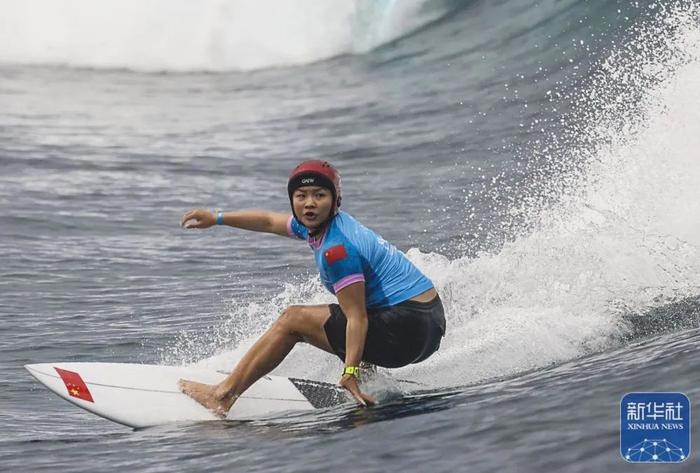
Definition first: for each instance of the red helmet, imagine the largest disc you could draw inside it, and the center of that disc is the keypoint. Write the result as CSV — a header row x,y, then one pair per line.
x,y
316,173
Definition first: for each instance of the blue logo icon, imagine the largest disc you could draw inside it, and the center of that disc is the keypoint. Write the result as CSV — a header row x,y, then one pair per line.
x,y
655,427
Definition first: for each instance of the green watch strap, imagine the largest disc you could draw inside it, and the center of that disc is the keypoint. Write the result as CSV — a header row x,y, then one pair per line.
x,y
352,370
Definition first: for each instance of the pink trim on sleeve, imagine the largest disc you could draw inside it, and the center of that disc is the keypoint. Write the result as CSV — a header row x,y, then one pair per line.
x,y
290,232
347,280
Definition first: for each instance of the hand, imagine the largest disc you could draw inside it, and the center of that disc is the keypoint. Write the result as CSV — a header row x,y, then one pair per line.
x,y
349,382
202,219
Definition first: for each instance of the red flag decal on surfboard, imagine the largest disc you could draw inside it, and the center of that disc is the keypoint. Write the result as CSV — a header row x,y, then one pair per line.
x,y
75,384
335,253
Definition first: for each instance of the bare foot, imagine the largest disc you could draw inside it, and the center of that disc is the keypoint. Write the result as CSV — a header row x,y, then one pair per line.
x,y
205,395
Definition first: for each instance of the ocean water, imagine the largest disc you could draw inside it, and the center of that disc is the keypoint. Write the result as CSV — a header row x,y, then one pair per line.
x,y
537,159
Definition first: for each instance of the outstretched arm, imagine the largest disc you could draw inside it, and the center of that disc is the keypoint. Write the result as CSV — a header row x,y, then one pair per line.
x,y
253,220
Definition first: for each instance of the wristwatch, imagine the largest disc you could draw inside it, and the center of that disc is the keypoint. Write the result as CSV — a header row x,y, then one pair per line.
x,y
352,371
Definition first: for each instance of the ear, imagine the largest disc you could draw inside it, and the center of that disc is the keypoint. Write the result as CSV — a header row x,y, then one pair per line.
x,y
339,199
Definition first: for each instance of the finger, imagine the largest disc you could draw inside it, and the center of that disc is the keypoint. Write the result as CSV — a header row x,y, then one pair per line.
x,y
187,216
369,399
195,214
196,223
360,399
357,394
191,223
192,215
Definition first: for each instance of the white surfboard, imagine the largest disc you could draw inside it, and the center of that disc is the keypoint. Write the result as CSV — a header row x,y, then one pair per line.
x,y
145,395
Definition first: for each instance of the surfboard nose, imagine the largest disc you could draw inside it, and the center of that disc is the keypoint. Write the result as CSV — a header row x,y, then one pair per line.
x,y
34,368
46,369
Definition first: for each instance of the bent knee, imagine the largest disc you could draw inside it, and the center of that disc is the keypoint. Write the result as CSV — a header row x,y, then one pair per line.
x,y
290,317
292,311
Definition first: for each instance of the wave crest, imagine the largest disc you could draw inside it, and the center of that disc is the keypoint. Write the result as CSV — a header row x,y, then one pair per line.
x,y
209,35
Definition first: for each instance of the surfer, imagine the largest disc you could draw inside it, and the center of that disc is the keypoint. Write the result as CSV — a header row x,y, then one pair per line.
x,y
388,313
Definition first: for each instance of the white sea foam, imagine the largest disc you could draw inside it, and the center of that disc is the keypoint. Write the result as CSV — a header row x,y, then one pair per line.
x,y
625,239
211,35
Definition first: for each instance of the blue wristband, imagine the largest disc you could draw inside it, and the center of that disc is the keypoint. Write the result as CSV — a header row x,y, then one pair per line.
x,y
220,218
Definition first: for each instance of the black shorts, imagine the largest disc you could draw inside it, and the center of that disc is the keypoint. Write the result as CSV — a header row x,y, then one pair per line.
x,y
398,335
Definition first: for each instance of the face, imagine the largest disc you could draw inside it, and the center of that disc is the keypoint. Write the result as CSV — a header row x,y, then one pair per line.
x,y
312,205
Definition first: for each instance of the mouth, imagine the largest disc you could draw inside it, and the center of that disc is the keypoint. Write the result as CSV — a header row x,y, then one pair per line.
x,y
310,215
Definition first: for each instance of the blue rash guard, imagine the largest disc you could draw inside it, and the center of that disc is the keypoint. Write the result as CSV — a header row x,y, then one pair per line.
x,y
349,252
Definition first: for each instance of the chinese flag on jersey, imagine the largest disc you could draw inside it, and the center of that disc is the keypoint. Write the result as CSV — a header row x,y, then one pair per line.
x,y
75,384
335,253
